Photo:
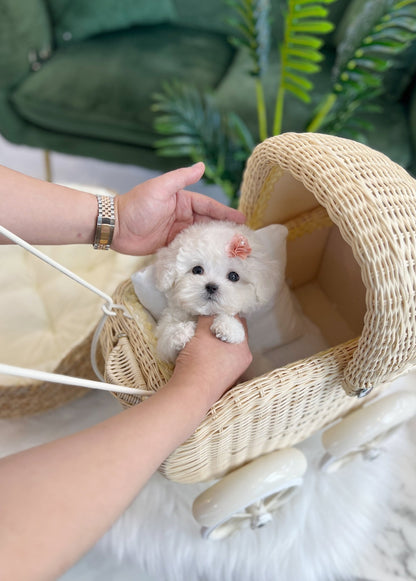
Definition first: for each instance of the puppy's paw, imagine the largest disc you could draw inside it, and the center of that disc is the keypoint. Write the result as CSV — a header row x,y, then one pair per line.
x,y
173,339
228,329
183,334
165,350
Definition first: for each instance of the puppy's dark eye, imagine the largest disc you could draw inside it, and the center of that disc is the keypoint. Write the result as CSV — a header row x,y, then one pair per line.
x,y
197,270
233,276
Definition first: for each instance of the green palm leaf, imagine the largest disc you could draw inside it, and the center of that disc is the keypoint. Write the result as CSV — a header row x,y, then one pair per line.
x,y
359,77
253,26
192,126
300,51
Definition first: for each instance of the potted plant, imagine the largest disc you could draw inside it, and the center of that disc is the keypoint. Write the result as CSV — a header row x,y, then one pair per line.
x,y
192,125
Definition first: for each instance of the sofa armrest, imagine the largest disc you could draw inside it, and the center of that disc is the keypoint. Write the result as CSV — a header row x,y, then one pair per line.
x,y
25,38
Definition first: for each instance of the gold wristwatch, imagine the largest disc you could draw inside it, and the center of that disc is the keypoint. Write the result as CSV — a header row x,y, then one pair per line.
x,y
106,220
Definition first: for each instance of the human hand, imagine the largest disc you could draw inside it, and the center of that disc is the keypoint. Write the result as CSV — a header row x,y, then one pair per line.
x,y
152,213
210,363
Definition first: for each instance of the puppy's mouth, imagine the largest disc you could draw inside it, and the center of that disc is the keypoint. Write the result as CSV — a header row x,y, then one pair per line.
x,y
214,306
209,308
210,300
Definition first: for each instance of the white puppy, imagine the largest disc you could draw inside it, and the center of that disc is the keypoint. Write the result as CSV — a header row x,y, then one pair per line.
x,y
213,268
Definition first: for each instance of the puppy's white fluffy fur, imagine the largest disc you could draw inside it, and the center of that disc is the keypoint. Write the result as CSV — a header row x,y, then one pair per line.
x,y
214,268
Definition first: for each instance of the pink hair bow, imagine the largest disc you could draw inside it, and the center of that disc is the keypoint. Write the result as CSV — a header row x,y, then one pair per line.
x,y
239,247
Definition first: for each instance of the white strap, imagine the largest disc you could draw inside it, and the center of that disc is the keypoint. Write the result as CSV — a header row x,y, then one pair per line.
x,y
67,380
109,310
108,307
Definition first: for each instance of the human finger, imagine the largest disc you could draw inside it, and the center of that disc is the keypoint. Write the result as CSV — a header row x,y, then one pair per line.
x,y
220,363
180,178
204,207
205,322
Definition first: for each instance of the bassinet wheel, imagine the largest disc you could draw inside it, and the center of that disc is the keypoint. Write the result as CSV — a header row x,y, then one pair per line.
x,y
249,495
363,431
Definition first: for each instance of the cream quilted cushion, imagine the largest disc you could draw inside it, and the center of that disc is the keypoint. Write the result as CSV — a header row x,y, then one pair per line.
x,y
47,320
44,314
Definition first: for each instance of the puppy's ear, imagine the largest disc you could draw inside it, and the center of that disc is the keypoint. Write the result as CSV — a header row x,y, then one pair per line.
x,y
273,238
270,264
165,268
268,283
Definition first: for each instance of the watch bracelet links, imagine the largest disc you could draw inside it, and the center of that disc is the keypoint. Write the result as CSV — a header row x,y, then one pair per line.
x,y
106,220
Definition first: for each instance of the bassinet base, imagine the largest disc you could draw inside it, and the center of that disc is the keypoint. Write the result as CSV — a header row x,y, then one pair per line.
x,y
36,397
313,538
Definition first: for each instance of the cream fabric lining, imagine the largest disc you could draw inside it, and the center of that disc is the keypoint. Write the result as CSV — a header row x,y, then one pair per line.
x,y
43,314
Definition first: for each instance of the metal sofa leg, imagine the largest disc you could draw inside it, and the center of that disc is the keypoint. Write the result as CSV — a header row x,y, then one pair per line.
x,y
48,166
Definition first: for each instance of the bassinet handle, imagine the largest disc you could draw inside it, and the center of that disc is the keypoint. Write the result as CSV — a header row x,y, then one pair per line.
x,y
372,200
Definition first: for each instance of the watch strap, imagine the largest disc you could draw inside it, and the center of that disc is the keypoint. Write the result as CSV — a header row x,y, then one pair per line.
x,y
106,220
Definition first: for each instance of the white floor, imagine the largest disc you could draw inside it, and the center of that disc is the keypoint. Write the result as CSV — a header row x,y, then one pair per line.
x,y
394,549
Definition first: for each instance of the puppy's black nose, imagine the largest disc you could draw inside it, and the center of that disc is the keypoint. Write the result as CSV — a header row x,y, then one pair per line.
x,y
211,288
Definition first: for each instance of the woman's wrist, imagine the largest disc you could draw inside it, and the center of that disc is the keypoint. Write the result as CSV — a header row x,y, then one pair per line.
x,y
117,213
46,213
195,392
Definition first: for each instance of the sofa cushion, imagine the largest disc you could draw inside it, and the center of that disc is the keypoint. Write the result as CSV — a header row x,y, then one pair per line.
x,y
75,20
103,87
25,35
213,15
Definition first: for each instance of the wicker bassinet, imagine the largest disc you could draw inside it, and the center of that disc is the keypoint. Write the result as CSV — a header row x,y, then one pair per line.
x,y
351,215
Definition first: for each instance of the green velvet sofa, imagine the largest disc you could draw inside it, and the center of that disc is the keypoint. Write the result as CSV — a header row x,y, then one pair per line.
x,y
78,76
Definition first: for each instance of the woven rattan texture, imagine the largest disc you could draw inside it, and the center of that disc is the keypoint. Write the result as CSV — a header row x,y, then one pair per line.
x,y
276,410
129,348
372,200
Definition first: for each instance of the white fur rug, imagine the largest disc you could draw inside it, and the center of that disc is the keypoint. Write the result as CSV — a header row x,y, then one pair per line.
x,y
318,536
